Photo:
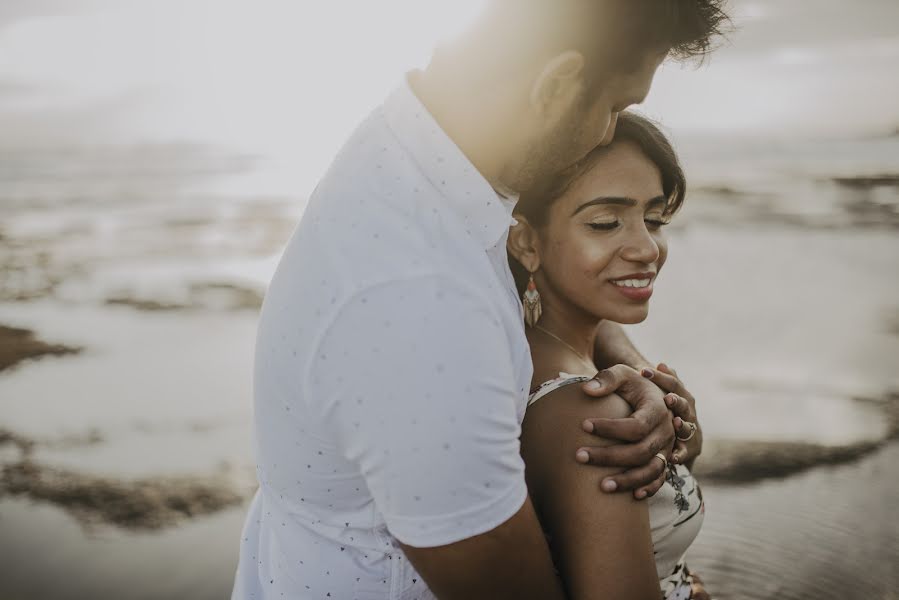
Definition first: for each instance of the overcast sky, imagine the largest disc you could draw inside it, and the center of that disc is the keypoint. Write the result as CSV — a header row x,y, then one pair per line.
x,y
291,77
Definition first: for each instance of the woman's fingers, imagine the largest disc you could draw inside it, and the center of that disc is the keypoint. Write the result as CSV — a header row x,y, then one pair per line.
x,y
666,369
680,407
667,382
697,588
680,453
698,593
684,429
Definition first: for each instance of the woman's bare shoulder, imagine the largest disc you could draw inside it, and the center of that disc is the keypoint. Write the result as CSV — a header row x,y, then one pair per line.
x,y
570,401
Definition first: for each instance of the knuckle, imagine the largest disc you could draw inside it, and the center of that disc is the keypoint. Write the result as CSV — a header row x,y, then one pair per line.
x,y
607,375
642,429
648,452
626,372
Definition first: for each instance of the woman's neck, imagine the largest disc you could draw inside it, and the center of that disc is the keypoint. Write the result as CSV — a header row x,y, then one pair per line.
x,y
576,336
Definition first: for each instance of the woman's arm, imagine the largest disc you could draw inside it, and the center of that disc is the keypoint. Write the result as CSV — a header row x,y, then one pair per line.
x,y
601,543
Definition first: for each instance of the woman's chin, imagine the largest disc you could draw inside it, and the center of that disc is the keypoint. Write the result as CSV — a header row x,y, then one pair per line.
x,y
630,317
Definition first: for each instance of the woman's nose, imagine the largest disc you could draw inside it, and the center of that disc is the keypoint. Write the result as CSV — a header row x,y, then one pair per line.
x,y
640,245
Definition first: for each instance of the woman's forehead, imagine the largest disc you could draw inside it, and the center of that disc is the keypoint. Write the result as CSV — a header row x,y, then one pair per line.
x,y
621,170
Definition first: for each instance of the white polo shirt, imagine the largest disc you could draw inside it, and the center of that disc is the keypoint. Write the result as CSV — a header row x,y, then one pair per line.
x,y
391,374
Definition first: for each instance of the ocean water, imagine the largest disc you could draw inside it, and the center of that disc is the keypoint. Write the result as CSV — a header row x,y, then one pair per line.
x,y
778,307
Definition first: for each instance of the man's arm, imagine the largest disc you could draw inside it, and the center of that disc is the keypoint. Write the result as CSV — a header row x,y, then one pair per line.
x,y
413,382
613,347
511,561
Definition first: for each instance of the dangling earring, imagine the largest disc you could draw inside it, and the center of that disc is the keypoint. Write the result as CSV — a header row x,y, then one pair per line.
x,y
531,300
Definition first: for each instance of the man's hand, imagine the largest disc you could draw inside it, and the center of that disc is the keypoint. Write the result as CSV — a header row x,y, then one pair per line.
x,y
649,431
683,406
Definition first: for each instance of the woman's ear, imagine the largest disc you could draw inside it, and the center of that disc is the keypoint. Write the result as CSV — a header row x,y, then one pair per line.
x,y
524,244
558,84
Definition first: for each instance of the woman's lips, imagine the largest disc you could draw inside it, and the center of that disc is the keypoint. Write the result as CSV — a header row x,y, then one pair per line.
x,y
634,287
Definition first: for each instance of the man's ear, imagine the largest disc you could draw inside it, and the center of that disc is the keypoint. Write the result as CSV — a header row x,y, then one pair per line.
x,y
524,244
558,84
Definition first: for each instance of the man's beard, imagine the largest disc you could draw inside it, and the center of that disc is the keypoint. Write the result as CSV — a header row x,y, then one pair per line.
x,y
549,156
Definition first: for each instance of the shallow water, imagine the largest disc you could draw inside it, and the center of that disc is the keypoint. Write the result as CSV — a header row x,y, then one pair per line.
x,y
778,326
46,555
830,533
827,534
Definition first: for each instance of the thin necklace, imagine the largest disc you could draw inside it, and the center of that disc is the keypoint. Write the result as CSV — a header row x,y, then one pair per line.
x,y
586,360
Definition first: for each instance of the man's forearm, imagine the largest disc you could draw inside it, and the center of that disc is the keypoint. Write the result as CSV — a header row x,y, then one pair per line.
x,y
613,347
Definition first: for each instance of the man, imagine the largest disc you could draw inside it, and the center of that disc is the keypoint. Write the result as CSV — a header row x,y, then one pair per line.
x,y
392,369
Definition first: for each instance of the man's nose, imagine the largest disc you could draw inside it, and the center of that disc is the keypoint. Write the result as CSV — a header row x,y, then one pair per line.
x,y
610,132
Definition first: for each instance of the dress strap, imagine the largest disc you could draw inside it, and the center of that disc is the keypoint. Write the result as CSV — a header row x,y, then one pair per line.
x,y
553,384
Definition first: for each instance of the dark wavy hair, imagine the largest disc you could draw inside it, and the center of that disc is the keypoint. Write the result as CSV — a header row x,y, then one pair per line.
x,y
534,204
614,35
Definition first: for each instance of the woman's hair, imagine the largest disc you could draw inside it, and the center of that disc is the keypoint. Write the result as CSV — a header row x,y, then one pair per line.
x,y
534,204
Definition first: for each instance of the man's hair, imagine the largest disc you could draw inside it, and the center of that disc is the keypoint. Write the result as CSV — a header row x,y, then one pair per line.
x,y
632,128
688,29
615,36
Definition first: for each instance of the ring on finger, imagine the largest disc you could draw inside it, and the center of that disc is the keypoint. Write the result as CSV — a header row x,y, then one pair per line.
x,y
661,457
689,436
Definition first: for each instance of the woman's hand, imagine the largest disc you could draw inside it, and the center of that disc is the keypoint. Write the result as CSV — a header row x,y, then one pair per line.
x,y
698,591
683,406
648,430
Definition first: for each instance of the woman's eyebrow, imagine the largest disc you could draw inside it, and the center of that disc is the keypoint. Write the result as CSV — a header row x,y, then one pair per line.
x,y
619,201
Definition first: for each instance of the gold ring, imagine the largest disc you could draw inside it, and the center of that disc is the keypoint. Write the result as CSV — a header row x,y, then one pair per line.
x,y
664,460
693,429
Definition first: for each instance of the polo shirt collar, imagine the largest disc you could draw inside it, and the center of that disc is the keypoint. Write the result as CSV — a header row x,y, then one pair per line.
x,y
485,215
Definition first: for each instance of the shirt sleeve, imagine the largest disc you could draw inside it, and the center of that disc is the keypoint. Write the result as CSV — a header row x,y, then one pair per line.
x,y
414,380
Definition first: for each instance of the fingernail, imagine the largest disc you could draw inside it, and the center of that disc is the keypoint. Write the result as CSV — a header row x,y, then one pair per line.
x,y
669,400
678,422
664,366
582,456
588,426
609,485
648,373
593,386
640,494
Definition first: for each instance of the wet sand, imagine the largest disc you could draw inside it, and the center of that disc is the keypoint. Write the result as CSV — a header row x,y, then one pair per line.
x,y
740,461
137,504
17,345
126,459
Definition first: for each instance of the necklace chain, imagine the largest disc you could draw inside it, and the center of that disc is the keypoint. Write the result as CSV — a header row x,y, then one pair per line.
x,y
586,360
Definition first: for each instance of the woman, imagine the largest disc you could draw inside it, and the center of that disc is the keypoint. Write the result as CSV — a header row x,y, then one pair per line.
x,y
588,246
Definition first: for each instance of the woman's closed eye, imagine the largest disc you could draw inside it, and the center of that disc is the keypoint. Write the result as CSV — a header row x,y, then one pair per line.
x,y
603,226
652,223
655,223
